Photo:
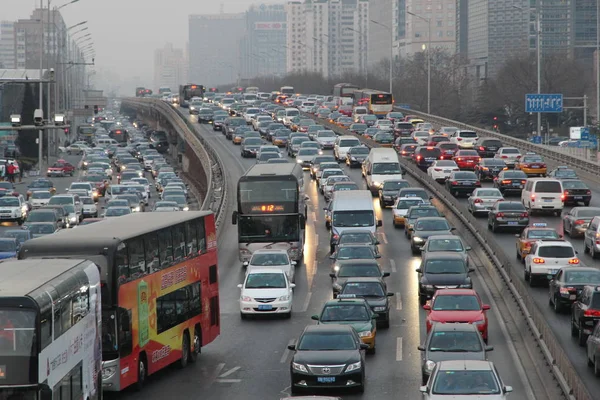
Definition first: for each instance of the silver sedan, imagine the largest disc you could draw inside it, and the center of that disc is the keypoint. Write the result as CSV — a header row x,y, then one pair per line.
x,y
483,199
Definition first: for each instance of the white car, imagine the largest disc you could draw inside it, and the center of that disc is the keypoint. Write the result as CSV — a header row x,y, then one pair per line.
x,y
267,149
332,180
401,207
13,208
326,139
421,137
259,119
384,125
250,114
326,174
441,170
464,139
547,257
39,198
145,183
266,291
87,186
271,258
73,203
510,155
483,199
307,106
89,207
140,189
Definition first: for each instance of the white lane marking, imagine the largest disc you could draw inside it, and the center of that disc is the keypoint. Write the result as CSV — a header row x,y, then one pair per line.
x,y
229,380
306,302
398,301
393,266
399,349
314,216
286,353
231,371
383,237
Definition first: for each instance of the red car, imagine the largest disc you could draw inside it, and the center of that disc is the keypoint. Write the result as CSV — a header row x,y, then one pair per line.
x,y
61,168
346,110
458,306
448,149
435,139
467,159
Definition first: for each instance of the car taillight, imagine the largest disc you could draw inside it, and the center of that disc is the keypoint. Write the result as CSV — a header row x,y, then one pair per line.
x,y
459,159
539,261
591,313
499,215
419,157
567,192
459,139
454,183
504,156
481,148
525,166
574,261
566,290
506,182
477,201
532,196
523,182
477,183
562,197
579,222
403,151
524,215
527,245
336,237
437,169
588,192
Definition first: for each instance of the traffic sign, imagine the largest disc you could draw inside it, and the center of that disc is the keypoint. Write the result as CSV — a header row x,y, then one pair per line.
x,y
537,139
585,133
406,106
546,103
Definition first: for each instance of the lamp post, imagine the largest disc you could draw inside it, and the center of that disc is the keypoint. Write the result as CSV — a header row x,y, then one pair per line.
x,y
390,28
428,20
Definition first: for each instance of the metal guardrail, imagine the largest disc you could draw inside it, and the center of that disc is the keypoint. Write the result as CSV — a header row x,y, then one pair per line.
x,y
590,169
215,195
570,382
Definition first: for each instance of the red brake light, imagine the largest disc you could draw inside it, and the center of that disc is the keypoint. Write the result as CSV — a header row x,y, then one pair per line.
x,y
459,139
504,156
478,201
455,182
506,182
579,222
532,196
523,182
459,159
499,215
481,148
418,157
430,148
573,261
525,215
437,169
539,261
589,192
592,313
562,197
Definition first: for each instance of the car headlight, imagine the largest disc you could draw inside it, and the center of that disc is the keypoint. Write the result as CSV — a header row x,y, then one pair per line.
x,y
299,367
365,334
284,298
375,183
428,286
418,239
108,372
186,208
246,298
336,268
141,174
353,158
429,365
379,308
299,161
354,366
466,286
137,209
73,219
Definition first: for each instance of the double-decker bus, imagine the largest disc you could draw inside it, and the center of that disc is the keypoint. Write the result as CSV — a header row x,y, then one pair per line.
x,y
160,290
287,90
378,103
271,210
344,90
50,330
186,92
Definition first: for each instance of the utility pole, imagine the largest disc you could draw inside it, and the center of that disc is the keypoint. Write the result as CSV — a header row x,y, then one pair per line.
x,y
41,99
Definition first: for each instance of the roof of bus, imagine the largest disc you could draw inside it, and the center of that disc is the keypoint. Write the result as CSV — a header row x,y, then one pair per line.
x,y
22,277
112,230
268,170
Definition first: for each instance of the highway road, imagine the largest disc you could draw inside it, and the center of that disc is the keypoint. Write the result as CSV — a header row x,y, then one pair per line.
x,y
250,360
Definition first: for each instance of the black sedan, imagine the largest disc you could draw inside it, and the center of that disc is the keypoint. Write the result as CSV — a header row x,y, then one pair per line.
x,y
390,191
352,251
508,215
442,270
205,115
373,290
576,192
425,227
462,182
355,269
566,286
356,155
250,147
489,168
328,356
219,122
451,342
510,181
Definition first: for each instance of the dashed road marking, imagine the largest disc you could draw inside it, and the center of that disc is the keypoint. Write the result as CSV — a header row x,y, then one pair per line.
x,y
399,349
383,237
393,265
306,302
398,301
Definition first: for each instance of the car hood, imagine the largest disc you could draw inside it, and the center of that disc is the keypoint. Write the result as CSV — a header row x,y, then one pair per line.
x,y
376,301
359,326
261,293
437,356
325,140
426,234
7,254
327,357
455,316
446,279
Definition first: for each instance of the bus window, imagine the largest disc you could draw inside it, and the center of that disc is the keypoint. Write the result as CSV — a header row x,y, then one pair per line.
x,y
179,242
151,246
137,261
192,238
122,264
201,235
165,247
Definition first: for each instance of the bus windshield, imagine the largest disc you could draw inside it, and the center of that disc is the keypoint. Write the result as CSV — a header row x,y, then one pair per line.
x,y
268,191
269,228
17,333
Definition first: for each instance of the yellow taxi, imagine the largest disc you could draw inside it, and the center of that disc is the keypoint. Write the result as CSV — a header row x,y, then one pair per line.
x,y
400,209
238,138
532,165
415,121
534,232
344,122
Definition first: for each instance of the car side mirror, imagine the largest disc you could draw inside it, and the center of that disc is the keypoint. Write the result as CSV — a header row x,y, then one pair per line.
x,y
508,389
240,285
468,248
377,255
293,263
486,307
332,275
423,389
452,229
489,348
389,294
234,217
379,223
291,347
419,270
292,285
245,263
368,172
377,242
421,348
364,346
471,269
517,235
375,316
385,275
427,306
314,317
45,392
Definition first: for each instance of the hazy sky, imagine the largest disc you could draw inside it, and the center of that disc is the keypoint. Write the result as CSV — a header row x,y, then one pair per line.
x,y
126,32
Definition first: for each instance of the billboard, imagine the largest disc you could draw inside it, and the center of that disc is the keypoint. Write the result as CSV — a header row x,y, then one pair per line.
x,y
270,26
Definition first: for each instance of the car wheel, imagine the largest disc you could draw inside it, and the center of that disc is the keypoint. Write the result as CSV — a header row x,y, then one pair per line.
x,y
558,307
573,327
596,367
526,275
422,300
593,251
519,255
581,337
494,227
531,280
197,346
243,316
142,374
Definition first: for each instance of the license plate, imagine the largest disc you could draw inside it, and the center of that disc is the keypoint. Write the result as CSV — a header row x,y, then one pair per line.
x,y
492,149
516,184
535,166
573,297
469,161
326,379
513,222
265,307
578,197
466,183
553,271
547,200
447,171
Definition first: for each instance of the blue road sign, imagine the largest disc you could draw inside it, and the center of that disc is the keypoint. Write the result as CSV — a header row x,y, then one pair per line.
x,y
537,139
546,103
585,133
406,106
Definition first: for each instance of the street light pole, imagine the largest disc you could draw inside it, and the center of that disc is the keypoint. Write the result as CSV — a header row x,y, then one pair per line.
x,y
538,29
428,20
41,98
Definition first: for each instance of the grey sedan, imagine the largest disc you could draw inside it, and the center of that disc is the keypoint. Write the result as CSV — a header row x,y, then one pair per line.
x,y
576,221
482,200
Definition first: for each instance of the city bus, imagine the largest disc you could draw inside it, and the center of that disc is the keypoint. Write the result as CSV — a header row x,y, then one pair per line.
x,y
120,135
252,89
344,90
160,290
271,210
186,92
287,90
50,330
377,102
164,90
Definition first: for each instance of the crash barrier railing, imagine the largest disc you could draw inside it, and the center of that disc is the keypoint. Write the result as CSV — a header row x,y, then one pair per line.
x,y
205,168
570,382
585,168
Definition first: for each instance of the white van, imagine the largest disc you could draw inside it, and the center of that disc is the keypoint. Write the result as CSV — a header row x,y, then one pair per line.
x,y
543,194
352,209
106,142
359,112
289,114
464,139
382,164
342,145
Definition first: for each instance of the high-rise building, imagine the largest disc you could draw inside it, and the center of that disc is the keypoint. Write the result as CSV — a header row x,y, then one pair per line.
x,y
417,19
263,48
7,45
328,36
585,29
169,68
381,13
214,41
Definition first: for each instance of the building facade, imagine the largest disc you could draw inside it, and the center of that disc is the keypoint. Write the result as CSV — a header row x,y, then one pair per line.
x,y
263,49
330,37
380,39
169,68
7,45
214,41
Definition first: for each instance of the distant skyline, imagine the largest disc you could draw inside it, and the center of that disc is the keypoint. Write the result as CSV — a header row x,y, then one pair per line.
x,y
126,32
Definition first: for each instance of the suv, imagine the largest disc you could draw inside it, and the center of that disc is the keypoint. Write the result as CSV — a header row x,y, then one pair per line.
x,y
424,156
487,147
585,313
464,139
547,257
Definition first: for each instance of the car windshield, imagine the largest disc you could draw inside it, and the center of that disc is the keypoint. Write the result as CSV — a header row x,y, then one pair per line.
x,y
265,281
456,303
8,246
117,211
514,175
532,159
269,259
510,206
565,173
432,225
423,212
406,204
358,237
542,234
41,228
359,150
355,252
325,134
465,382
574,185
176,198
489,193
465,175
21,235
344,312
9,202
307,152
348,271
75,186
445,163
357,218
386,168
440,267
445,245
587,213
556,251
86,200
40,184
327,341
364,289
587,277
395,185
455,341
